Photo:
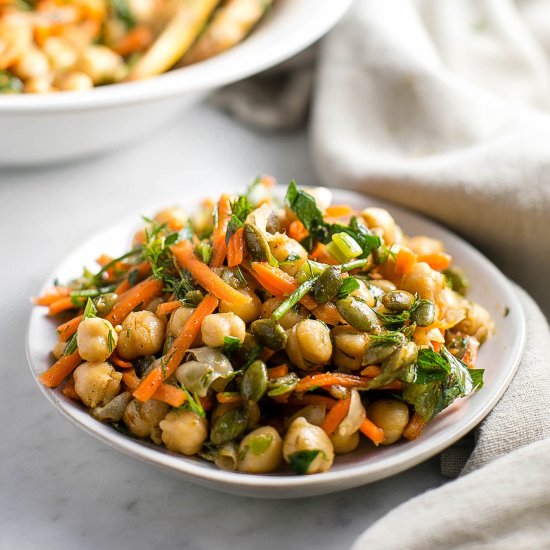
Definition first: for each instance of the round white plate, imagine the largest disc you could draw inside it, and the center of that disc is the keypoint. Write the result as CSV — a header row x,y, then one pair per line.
x,y
499,357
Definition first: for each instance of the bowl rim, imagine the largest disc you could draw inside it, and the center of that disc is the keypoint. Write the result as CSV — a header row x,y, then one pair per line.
x,y
235,64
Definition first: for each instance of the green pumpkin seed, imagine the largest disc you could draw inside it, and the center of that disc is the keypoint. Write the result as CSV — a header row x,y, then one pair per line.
x,y
397,300
255,381
229,426
105,303
269,333
256,243
381,347
423,313
359,315
328,284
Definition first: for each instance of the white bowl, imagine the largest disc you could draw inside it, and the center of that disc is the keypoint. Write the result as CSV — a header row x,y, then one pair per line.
x,y
54,127
499,357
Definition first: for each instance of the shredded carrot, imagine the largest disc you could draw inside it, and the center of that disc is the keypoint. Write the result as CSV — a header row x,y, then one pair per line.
x,y
372,431
267,354
313,399
471,352
404,260
336,415
218,238
167,307
139,294
170,394
137,39
131,379
229,397
66,330
61,304
371,371
297,230
414,427
119,362
206,277
321,254
69,389
235,248
278,371
104,259
60,370
273,279
438,260
395,385
339,211
437,346
123,286
177,350
329,379
207,403
51,295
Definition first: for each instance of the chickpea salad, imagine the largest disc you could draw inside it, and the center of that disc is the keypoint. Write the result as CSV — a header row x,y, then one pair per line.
x,y
266,336
70,45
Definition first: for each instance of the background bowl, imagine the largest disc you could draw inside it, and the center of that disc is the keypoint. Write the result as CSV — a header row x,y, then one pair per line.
x,y
53,127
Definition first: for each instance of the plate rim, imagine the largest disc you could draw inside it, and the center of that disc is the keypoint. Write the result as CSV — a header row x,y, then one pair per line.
x,y
273,485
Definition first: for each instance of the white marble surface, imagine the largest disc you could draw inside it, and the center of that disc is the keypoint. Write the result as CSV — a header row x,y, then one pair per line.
x,y
59,487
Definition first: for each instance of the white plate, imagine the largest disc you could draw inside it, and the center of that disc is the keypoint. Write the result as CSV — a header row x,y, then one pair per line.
x,y
499,357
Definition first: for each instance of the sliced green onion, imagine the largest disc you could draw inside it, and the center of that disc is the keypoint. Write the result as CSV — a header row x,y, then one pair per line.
x,y
204,252
294,298
354,264
308,270
344,247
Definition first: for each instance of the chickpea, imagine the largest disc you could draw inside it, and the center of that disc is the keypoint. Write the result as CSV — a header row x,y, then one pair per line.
x,y
328,314
383,284
61,54
96,339
174,217
477,322
424,245
176,322
421,279
58,349
217,326
143,418
153,304
309,344
390,415
101,64
142,334
380,218
184,431
364,293
96,383
261,451
349,347
314,414
74,81
303,436
283,247
248,312
344,444
288,320
38,85
322,196
33,63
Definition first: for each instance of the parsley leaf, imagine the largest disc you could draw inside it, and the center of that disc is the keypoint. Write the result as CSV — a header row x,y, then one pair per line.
x,y
300,460
348,286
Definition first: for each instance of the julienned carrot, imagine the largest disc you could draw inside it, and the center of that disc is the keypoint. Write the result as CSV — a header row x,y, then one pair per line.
x,y
371,371
61,304
131,379
207,403
123,286
167,307
273,279
177,350
60,370
51,295
139,294
66,330
372,431
329,379
135,40
267,354
437,346
218,238
395,385
297,230
321,254
170,394
339,211
414,427
235,248
336,415
278,371
104,259
404,260
206,277
119,362
470,356
313,399
143,270
438,261
229,397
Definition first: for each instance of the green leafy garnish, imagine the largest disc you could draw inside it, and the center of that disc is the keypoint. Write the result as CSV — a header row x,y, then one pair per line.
x,y
294,298
192,403
123,12
348,286
282,385
71,345
10,84
231,344
300,461
204,252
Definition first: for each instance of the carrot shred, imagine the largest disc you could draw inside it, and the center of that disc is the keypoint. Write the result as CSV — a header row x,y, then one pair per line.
x,y
167,307
267,354
218,238
228,397
131,379
339,211
177,350
137,39
66,330
313,399
329,379
395,385
60,370
139,294
119,362
104,259
123,286
470,356
206,277
172,395
61,304
321,254
207,403
235,248
437,346
414,427
372,431
278,371
273,279
336,415
371,371
404,260
51,295
297,230
438,260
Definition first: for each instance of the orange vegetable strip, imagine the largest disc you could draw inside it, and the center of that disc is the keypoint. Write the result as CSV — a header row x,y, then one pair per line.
x,y
228,397
141,293
278,371
313,399
267,354
329,379
273,279
131,379
371,371
372,431
320,254
206,403
177,350
235,248
62,304
119,362
206,277
437,346
297,230
66,330
414,427
308,302
135,40
170,394
51,295
104,259
395,385
404,261
60,370
336,415
339,211
123,286
167,307
471,353
218,238
438,261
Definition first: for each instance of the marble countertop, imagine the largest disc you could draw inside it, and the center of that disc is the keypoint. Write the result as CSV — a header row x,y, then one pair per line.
x,y
59,487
